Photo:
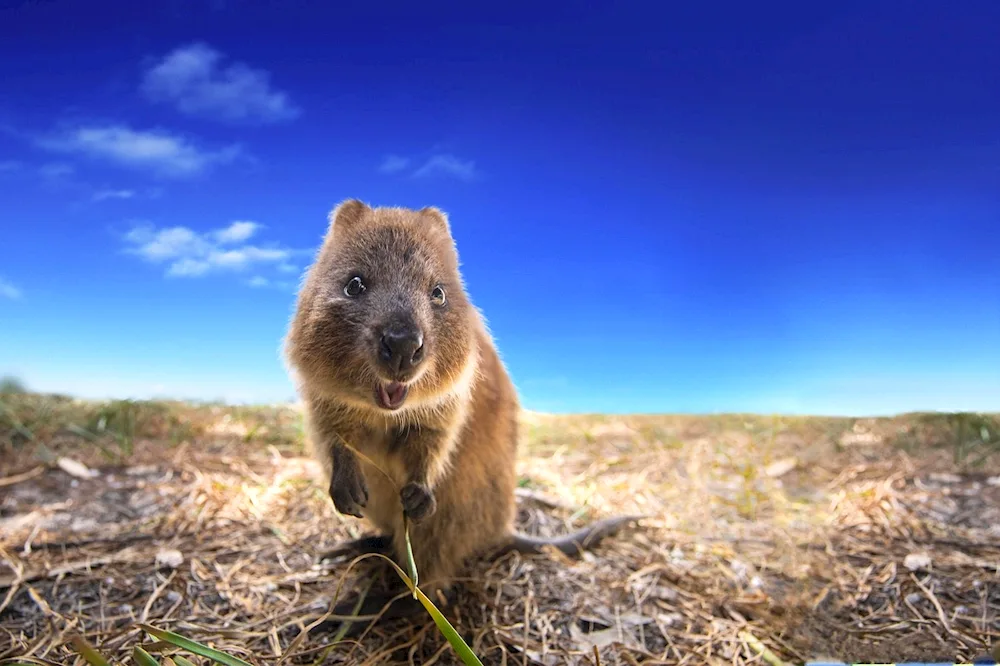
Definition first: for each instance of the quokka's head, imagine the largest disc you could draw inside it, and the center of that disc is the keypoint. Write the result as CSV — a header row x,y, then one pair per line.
x,y
382,319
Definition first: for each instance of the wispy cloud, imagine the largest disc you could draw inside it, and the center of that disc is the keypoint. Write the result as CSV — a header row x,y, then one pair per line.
x,y
237,232
188,253
261,282
394,164
439,164
8,290
56,170
10,165
156,150
103,195
447,165
194,79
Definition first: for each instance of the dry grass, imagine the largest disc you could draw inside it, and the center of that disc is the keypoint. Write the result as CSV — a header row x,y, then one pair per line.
x,y
865,540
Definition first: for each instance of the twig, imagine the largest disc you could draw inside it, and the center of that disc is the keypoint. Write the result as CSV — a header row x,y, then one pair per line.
x,y
23,476
940,611
69,567
152,598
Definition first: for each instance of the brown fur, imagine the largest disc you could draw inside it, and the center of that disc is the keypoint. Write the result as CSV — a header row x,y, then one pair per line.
x,y
451,448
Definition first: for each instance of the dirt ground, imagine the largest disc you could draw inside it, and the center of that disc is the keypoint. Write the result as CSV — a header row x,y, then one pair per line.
x,y
861,540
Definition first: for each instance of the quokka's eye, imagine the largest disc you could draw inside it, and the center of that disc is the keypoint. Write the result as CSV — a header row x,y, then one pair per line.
x,y
437,296
354,287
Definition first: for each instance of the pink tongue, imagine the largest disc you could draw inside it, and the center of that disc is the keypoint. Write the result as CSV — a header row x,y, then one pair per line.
x,y
395,392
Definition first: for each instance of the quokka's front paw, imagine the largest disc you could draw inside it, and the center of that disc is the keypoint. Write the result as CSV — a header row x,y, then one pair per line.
x,y
348,490
418,501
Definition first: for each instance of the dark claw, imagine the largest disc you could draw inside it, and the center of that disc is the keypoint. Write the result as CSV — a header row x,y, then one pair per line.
x,y
418,501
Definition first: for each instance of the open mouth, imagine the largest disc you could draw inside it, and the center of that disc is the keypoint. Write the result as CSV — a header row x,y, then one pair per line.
x,y
391,395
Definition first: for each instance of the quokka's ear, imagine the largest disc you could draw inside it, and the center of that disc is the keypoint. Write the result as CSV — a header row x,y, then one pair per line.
x,y
347,215
437,216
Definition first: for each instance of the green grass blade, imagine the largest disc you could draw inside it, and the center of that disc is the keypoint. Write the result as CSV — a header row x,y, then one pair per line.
x,y
409,556
761,649
81,432
87,651
143,658
181,661
15,423
461,648
193,646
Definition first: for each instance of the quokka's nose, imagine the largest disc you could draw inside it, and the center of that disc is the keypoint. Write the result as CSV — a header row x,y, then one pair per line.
x,y
401,347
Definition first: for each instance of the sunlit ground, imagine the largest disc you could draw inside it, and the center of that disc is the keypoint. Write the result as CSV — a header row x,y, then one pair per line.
x,y
864,540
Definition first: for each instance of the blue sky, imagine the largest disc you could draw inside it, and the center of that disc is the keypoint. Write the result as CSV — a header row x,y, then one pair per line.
x,y
659,207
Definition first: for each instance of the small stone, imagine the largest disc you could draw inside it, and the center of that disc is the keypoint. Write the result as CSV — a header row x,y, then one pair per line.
x,y
739,568
917,561
781,467
173,596
939,477
669,619
914,598
83,524
169,557
665,593
77,469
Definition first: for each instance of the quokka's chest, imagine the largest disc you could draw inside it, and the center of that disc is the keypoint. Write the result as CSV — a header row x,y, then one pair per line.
x,y
382,446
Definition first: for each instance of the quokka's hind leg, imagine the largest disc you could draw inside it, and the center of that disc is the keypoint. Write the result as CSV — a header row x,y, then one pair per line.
x,y
372,543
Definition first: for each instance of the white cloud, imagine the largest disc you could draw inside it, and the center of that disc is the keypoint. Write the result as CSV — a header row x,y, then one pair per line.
x,y
247,255
7,290
169,243
155,150
237,232
394,164
188,267
188,253
194,80
447,165
113,194
259,281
